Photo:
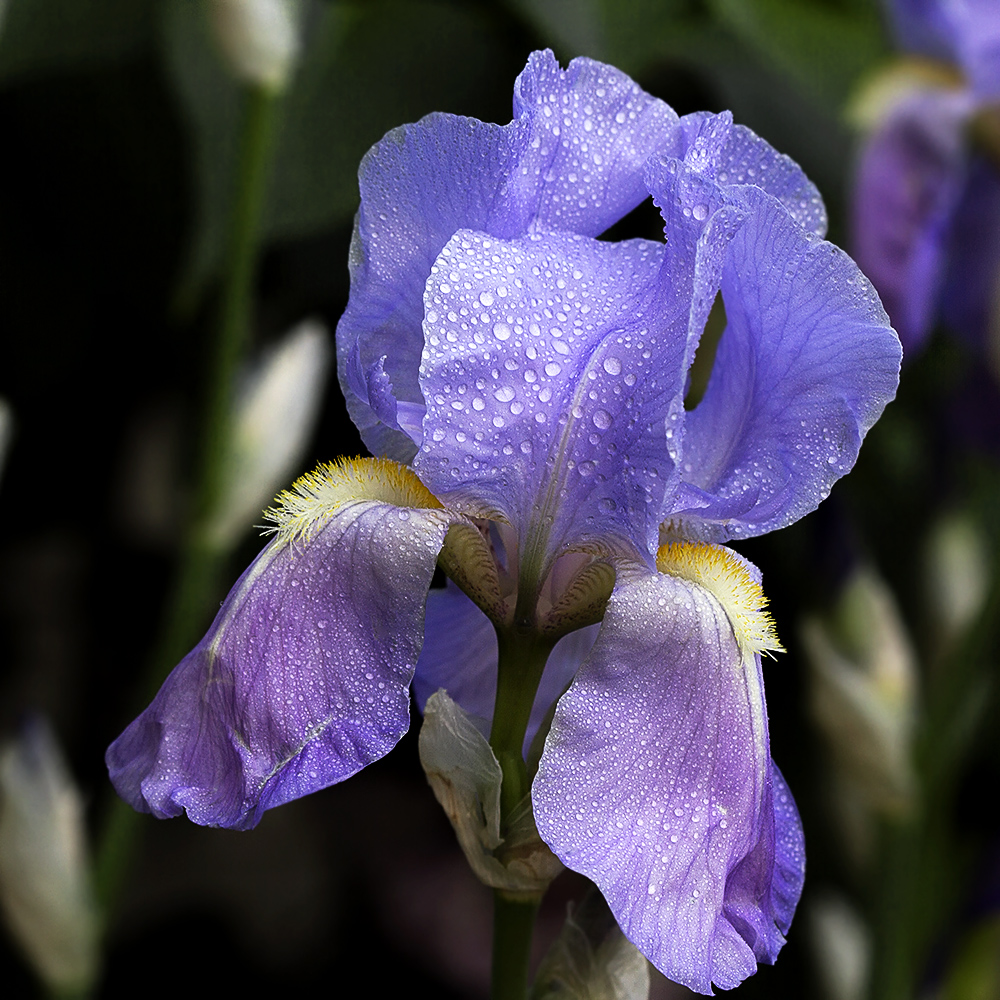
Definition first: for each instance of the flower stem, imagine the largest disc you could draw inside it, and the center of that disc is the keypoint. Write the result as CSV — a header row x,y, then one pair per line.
x,y
201,562
522,656
513,925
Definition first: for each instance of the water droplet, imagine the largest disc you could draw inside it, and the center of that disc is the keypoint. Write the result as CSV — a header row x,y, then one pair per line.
x,y
602,419
612,366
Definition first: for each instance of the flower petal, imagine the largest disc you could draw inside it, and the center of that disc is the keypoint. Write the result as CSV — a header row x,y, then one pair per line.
x,y
970,293
571,160
302,679
549,360
592,131
805,366
734,155
656,783
460,655
908,181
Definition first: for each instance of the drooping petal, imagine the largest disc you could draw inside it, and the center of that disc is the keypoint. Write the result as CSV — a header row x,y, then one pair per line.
x,y
804,368
460,655
549,359
304,676
656,783
908,182
571,160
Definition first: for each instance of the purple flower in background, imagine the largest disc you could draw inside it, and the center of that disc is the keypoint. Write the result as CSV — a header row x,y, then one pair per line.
x,y
926,203
526,381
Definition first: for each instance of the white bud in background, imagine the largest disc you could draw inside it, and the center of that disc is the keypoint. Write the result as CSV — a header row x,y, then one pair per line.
x,y
864,692
958,577
842,945
259,38
44,878
276,412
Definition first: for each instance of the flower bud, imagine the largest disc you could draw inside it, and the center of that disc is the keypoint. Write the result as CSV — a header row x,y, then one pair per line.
x,y
259,39
863,691
958,577
275,415
44,880
842,945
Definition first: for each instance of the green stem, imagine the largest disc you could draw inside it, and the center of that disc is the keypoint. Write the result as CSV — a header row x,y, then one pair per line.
x,y
522,656
201,562
513,925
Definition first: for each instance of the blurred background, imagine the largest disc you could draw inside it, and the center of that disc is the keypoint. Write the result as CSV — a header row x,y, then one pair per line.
x,y
121,129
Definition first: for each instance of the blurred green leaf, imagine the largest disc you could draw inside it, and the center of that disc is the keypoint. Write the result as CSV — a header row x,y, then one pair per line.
x,y
627,33
38,37
822,45
976,972
366,68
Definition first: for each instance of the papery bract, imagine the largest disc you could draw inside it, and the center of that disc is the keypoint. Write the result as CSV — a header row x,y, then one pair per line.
x,y
534,376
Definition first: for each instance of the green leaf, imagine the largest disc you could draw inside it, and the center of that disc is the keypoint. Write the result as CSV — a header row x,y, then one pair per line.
x,y
823,46
39,37
630,34
365,68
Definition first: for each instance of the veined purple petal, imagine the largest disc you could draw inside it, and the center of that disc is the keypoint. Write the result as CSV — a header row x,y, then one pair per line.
x,y
592,131
656,782
804,368
572,160
549,360
908,182
971,292
460,655
302,679
734,156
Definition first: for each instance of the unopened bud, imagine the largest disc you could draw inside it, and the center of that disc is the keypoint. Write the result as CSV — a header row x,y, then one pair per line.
x,y
259,39
843,947
958,576
44,879
863,692
275,415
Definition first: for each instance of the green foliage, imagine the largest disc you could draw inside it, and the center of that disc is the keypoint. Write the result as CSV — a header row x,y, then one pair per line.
x,y
43,36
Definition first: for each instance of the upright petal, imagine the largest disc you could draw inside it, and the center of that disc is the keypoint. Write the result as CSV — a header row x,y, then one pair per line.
x,y
656,782
571,160
806,365
739,157
549,359
908,182
304,676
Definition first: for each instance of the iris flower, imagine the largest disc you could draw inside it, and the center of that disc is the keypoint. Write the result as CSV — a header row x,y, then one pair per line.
x,y
927,190
525,382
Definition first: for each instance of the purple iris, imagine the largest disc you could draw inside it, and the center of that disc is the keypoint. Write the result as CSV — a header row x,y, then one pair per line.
x,y
526,381
926,200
